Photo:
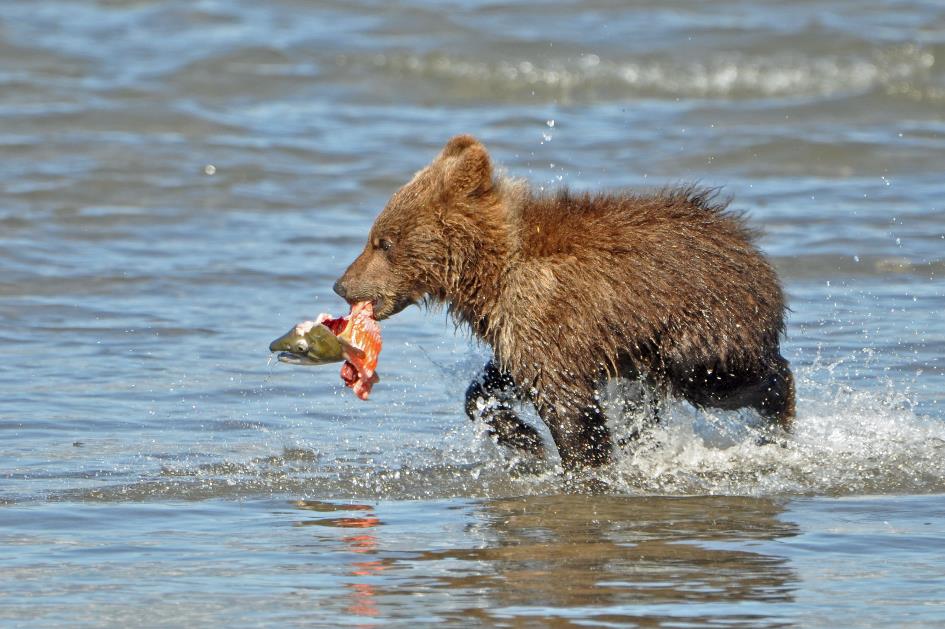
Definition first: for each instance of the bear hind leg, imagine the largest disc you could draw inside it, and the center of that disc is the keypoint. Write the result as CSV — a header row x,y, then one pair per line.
x,y
771,393
776,400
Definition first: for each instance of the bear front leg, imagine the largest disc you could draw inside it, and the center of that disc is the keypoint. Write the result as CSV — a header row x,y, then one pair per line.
x,y
579,428
490,397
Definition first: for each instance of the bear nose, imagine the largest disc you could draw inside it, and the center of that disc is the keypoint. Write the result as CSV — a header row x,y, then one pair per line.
x,y
341,290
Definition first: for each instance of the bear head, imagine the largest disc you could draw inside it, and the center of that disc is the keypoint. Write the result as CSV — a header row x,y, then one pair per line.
x,y
422,242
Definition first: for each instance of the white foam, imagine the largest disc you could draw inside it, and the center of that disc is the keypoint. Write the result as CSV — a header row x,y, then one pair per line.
x,y
844,442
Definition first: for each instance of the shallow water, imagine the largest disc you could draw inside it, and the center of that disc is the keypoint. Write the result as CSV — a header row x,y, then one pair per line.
x,y
541,559
182,181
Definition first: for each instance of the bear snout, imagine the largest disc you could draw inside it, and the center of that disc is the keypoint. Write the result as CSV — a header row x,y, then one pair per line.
x,y
341,289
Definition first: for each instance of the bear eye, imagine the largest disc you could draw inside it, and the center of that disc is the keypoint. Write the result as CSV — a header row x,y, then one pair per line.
x,y
385,245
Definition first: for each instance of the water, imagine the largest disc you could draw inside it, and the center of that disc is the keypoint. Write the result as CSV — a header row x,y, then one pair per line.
x,y
182,181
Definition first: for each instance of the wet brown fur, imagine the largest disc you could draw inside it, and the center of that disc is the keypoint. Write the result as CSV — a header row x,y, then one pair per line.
x,y
569,288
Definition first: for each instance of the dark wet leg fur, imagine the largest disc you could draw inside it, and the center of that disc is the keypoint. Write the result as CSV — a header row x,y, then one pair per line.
x,y
579,429
578,425
495,393
771,392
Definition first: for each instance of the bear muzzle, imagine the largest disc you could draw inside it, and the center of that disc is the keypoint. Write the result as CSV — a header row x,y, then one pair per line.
x,y
340,289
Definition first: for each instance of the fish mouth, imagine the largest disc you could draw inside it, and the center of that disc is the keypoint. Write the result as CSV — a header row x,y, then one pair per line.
x,y
296,359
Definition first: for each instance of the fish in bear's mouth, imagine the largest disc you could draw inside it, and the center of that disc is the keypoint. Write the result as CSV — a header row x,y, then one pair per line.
x,y
354,339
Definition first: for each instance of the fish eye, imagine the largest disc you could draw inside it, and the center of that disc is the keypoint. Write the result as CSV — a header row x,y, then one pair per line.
x,y
301,347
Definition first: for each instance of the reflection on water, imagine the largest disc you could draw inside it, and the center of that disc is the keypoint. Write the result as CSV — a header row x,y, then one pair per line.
x,y
547,557
533,561
363,544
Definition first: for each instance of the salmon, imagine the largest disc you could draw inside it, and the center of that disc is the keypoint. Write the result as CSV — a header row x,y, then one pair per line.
x,y
360,330
354,339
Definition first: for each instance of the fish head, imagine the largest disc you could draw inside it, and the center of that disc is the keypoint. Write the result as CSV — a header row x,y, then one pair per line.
x,y
308,343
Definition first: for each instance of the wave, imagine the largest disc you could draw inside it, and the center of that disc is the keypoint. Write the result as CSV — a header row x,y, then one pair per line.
x,y
899,71
818,266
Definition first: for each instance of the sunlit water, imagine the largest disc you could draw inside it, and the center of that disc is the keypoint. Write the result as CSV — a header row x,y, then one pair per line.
x,y
182,181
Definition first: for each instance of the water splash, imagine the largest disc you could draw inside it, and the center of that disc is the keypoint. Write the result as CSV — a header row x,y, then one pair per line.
x,y
845,442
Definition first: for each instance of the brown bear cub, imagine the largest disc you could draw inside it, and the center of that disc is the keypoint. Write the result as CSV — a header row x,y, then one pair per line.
x,y
570,289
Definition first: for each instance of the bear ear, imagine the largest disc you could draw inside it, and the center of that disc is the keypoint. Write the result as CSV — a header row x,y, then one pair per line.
x,y
467,169
458,144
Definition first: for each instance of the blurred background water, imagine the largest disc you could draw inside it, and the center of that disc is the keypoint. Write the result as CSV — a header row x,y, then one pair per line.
x,y
182,181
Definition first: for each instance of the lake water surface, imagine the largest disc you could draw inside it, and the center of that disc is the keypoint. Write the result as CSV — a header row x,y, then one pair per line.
x,y
180,182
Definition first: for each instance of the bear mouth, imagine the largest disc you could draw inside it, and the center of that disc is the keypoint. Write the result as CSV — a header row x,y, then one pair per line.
x,y
380,307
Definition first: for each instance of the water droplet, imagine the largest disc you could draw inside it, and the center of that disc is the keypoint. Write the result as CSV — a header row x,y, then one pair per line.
x,y
209,169
550,123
